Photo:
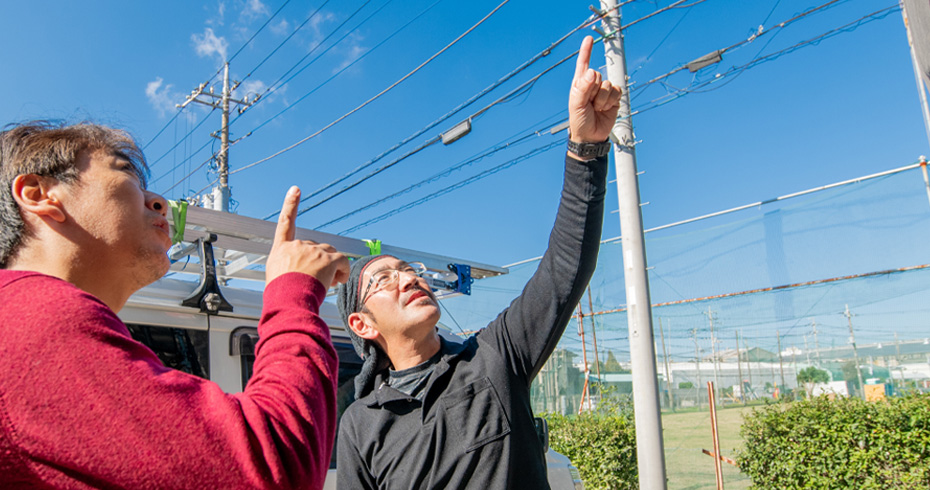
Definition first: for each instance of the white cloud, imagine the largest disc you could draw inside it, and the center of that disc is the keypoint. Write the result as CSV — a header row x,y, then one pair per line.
x,y
160,96
352,51
254,9
316,22
209,44
280,28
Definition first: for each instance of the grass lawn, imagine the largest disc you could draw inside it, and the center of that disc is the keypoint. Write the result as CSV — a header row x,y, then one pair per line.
x,y
686,433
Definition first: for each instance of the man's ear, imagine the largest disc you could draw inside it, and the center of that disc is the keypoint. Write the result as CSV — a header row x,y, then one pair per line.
x,y
362,326
37,195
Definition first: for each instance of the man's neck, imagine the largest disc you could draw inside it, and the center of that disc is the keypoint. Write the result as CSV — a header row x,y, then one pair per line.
x,y
408,353
71,268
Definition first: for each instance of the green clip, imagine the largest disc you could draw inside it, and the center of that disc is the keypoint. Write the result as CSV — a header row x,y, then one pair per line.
x,y
374,247
179,217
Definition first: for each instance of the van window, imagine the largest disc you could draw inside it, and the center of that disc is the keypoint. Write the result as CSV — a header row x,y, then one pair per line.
x,y
244,339
178,348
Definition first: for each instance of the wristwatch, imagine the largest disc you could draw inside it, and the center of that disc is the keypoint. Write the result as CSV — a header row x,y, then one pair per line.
x,y
589,150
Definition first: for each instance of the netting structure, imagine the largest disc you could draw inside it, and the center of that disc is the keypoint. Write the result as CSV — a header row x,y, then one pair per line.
x,y
835,278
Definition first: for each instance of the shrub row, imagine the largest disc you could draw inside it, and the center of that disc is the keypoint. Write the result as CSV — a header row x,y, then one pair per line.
x,y
842,443
601,444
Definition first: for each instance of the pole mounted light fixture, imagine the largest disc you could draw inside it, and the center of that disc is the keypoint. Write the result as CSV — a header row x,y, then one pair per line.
x,y
457,131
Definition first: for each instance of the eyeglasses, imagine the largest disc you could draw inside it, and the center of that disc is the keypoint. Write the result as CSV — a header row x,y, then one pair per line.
x,y
388,278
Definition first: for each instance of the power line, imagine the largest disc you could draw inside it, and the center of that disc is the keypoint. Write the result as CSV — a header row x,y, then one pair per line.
x,y
454,111
275,86
180,110
275,14
458,185
753,37
877,15
433,178
438,138
278,83
178,143
408,75
434,140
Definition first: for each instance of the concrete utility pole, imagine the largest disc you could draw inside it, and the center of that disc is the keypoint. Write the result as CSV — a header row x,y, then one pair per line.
x,y
852,340
221,192
650,454
816,342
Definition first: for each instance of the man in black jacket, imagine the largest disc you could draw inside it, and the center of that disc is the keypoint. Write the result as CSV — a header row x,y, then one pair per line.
x,y
437,414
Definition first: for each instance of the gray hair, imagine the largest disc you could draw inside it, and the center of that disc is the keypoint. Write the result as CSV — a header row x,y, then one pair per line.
x,y
51,149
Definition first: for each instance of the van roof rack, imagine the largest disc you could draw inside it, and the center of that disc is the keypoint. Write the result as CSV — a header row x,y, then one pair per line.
x,y
242,245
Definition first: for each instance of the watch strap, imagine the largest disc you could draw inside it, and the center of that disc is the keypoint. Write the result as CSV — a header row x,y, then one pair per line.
x,y
589,150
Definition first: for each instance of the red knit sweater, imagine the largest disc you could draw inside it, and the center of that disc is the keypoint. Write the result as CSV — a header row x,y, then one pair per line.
x,y
82,405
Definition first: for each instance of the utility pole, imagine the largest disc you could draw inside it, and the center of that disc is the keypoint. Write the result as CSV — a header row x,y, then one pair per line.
x,y
713,351
807,351
650,452
897,360
781,365
668,373
852,340
748,362
221,192
739,368
816,342
697,363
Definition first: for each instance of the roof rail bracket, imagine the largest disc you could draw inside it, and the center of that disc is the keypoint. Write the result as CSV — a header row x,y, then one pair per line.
x,y
207,296
463,283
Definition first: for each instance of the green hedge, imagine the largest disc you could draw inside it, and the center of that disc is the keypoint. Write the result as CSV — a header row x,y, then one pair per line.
x,y
601,444
843,443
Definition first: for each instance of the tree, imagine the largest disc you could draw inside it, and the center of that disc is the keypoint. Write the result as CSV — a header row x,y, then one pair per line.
x,y
813,375
611,365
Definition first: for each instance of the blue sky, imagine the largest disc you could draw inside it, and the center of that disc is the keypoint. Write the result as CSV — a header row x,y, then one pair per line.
x,y
844,107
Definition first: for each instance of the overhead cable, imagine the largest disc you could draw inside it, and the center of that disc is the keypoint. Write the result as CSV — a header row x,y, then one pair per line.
x,y
178,112
456,110
275,14
446,190
438,138
408,75
448,171
877,15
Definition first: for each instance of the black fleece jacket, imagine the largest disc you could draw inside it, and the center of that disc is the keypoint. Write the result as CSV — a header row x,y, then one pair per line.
x,y
474,427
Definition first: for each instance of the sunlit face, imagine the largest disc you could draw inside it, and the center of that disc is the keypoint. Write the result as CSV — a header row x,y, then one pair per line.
x,y
124,226
406,307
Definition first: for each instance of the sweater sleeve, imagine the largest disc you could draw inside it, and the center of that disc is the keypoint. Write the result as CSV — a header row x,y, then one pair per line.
x,y
84,405
527,331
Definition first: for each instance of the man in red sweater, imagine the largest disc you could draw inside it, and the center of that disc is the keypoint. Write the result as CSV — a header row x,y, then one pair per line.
x,y
82,405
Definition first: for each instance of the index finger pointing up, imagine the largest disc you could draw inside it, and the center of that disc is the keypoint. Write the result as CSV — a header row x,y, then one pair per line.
x,y
584,57
287,228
